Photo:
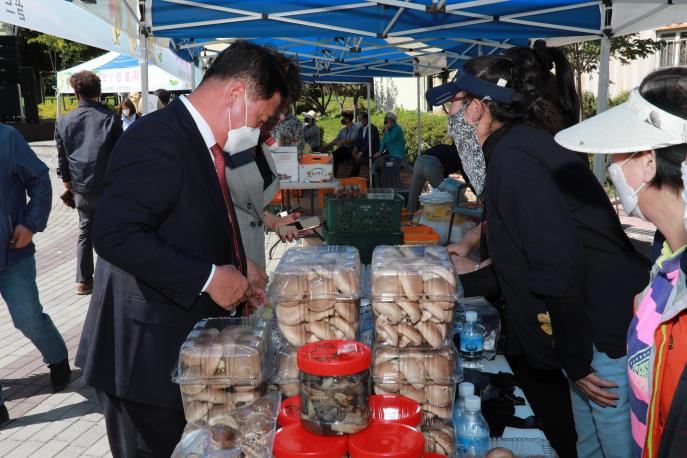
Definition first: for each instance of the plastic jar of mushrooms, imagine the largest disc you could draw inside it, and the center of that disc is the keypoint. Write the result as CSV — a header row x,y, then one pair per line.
x,y
335,387
413,294
316,294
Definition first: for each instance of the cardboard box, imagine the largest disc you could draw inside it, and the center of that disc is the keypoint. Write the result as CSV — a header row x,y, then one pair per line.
x,y
316,168
286,161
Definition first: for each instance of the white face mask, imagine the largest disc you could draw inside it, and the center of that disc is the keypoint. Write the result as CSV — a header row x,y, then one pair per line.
x,y
629,197
243,138
126,112
683,168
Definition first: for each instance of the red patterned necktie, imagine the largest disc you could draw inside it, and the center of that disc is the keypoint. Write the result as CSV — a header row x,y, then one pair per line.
x,y
222,176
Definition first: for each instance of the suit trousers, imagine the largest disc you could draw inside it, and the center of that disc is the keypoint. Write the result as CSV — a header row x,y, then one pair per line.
x,y
85,204
140,430
548,393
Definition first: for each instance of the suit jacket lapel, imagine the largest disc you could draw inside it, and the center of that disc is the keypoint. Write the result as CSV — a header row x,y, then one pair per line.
x,y
201,155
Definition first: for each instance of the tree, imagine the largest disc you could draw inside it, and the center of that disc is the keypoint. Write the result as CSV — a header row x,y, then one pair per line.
x,y
46,54
317,96
584,57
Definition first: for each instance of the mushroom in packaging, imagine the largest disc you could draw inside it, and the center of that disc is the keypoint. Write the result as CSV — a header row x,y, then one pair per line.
x,y
222,365
335,387
316,294
429,377
246,432
286,374
413,293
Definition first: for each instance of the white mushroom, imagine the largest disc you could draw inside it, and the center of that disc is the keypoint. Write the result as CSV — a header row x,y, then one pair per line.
x,y
322,330
386,331
431,332
412,309
417,395
410,332
412,286
345,327
390,310
320,305
413,371
348,310
439,395
291,313
295,335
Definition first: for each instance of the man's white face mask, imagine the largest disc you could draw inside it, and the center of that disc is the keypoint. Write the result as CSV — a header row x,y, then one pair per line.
x,y
244,137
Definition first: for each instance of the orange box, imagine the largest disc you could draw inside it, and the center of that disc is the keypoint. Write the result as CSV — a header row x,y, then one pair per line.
x,y
315,168
420,235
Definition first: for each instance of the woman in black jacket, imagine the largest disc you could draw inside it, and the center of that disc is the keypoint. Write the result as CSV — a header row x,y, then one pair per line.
x,y
566,268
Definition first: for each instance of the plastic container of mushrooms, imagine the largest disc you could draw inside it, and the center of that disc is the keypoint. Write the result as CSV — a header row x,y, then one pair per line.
x,y
316,294
413,294
286,374
427,376
223,365
335,387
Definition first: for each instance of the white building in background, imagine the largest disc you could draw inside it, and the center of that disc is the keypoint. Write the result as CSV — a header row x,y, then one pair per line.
x,y
393,93
399,93
629,76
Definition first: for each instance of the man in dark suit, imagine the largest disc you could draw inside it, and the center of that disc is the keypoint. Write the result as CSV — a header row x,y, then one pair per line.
x,y
361,152
169,246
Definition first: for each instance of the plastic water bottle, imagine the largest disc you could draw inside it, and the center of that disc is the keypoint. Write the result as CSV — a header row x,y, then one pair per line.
x,y
473,430
465,389
472,342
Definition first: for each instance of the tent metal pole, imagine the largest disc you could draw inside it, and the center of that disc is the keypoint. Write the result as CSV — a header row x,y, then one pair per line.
x,y
369,133
193,73
59,103
143,63
599,166
419,127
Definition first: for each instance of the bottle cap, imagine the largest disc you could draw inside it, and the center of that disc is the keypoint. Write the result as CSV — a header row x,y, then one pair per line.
x,y
471,316
466,389
473,403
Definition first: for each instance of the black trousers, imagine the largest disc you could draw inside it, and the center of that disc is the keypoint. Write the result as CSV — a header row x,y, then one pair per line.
x,y
140,430
548,393
341,154
85,205
357,164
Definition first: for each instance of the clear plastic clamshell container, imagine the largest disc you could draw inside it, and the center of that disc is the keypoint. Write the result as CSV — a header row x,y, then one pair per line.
x,y
487,316
244,432
427,376
316,294
286,373
439,436
413,293
222,365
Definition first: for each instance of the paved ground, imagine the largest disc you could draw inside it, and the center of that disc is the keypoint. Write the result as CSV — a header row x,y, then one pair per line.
x,y
66,424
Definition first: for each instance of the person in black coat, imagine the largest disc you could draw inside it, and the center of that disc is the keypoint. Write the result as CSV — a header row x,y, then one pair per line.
x,y
566,268
169,247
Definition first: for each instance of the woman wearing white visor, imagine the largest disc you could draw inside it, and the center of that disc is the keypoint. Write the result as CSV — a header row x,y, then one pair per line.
x,y
647,137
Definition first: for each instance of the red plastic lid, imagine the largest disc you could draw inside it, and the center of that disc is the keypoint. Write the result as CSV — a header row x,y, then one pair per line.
x,y
394,408
433,455
289,411
293,441
386,440
334,357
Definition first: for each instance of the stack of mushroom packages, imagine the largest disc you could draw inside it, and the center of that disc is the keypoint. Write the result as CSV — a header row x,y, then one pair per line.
x,y
315,293
413,294
223,364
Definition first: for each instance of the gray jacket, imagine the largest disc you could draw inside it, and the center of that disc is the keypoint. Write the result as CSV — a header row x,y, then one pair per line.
x,y
249,198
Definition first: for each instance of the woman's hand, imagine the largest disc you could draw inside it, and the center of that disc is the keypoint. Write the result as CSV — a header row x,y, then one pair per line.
x,y
464,265
461,248
275,222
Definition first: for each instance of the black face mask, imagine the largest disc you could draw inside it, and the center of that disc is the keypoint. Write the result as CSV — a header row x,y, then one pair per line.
x,y
343,121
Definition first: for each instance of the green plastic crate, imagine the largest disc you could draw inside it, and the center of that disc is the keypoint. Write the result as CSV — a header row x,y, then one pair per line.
x,y
364,215
364,242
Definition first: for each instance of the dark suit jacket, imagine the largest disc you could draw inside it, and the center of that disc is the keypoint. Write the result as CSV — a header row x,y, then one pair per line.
x,y
160,225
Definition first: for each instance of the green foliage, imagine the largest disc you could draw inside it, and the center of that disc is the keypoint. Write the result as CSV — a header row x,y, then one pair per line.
x,y
589,102
618,99
48,109
584,57
62,52
433,129
589,105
